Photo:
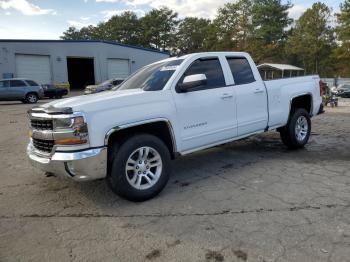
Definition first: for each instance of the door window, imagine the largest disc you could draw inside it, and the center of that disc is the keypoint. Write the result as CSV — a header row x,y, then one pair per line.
x,y
117,82
31,83
241,70
17,83
211,67
4,84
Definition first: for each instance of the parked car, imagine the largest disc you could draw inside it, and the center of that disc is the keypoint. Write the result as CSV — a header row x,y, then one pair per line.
x,y
52,91
168,109
25,90
344,91
107,85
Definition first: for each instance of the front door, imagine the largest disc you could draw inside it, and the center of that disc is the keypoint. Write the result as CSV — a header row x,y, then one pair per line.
x,y
4,90
207,113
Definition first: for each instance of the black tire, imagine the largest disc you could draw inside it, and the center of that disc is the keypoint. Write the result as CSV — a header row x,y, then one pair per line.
x,y
288,133
119,155
32,98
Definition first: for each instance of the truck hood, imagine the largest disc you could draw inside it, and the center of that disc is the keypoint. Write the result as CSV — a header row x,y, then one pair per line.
x,y
85,103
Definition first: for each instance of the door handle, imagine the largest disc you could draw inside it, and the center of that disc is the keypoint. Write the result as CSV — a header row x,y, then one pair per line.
x,y
258,91
226,96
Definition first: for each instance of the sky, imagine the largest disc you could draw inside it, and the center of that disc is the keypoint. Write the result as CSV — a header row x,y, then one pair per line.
x,y
47,19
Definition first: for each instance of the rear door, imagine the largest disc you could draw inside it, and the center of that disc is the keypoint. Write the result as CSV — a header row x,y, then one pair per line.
x,y
17,89
252,111
206,114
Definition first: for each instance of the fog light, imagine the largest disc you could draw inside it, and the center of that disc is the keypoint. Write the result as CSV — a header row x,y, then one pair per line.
x,y
69,166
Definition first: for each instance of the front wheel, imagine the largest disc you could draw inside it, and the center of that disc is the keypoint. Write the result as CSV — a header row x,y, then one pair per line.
x,y
297,131
139,167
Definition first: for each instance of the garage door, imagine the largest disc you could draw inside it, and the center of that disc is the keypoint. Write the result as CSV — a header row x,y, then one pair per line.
x,y
35,67
118,68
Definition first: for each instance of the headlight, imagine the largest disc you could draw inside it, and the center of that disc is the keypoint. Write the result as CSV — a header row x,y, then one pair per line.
x,y
63,123
73,131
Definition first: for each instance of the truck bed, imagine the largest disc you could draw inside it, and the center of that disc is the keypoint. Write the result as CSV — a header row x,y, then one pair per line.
x,y
282,91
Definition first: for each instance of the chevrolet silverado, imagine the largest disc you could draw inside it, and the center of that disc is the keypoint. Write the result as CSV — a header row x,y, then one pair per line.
x,y
164,110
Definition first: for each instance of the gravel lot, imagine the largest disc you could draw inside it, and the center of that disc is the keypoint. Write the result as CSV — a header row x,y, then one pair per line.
x,y
250,200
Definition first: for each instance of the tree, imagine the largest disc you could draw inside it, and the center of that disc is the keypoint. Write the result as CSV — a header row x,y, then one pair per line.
x,y
72,33
123,28
85,33
232,26
191,35
270,20
91,32
342,53
312,39
158,28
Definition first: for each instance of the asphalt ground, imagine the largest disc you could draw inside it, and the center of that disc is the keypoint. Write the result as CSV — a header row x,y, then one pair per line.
x,y
250,200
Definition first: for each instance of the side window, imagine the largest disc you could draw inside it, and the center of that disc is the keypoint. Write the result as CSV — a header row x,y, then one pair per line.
x,y
117,82
211,67
241,70
17,83
4,83
31,83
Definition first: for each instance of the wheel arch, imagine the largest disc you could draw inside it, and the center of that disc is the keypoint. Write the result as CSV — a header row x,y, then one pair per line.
x,y
160,127
302,101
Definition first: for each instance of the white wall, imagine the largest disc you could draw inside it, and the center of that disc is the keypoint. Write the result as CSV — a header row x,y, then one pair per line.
x,y
60,50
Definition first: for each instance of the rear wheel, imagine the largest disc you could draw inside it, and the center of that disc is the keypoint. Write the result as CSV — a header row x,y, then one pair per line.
x,y
297,131
31,98
139,167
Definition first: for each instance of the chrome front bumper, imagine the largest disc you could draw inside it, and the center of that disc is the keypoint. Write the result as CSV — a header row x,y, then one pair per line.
x,y
84,165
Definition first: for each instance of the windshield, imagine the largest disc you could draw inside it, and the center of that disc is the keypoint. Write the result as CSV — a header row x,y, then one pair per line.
x,y
152,77
106,82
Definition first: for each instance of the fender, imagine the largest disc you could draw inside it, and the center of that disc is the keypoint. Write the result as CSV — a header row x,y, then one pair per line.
x,y
303,94
140,123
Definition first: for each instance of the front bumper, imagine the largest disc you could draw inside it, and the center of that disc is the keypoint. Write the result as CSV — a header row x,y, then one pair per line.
x,y
84,165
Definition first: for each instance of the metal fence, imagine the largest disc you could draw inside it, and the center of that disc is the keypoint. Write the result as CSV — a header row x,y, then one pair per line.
x,y
336,81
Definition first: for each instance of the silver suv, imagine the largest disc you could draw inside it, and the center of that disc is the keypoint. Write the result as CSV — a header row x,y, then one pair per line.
x,y
24,90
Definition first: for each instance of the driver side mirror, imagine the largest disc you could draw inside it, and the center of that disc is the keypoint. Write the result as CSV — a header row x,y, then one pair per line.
x,y
192,81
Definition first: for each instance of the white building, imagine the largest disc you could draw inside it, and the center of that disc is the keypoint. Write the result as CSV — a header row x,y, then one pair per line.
x,y
72,63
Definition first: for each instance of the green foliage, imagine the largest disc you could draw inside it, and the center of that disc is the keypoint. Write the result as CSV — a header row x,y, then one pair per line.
x,y
342,53
191,35
312,39
72,33
260,27
123,28
232,26
158,28
270,20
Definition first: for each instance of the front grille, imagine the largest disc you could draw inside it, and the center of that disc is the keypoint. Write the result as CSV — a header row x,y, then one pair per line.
x,y
41,124
43,145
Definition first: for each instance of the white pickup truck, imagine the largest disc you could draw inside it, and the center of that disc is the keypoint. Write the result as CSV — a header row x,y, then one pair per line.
x,y
167,109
